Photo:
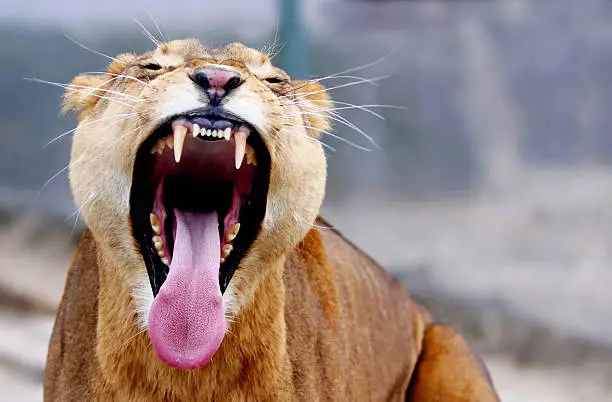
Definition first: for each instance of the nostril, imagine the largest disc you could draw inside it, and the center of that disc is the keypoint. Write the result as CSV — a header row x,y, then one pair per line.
x,y
232,83
201,78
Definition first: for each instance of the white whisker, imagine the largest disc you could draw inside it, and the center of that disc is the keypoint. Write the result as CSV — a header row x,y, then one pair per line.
x,y
309,104
99,88
354,77
69,165
349,84
147,33
120,116
364,66
308,137
342,120
118,76
274,48
334,136
71,88
77,211
91,50
51,179
161,35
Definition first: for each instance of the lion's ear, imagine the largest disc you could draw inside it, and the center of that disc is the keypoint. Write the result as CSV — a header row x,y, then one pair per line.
x,y
120,62
83,93
317,96
85,90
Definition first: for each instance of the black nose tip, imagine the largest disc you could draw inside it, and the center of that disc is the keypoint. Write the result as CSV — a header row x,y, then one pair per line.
x,y
216,81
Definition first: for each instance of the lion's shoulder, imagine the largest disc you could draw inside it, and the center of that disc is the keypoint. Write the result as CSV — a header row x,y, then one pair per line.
x,y
341,308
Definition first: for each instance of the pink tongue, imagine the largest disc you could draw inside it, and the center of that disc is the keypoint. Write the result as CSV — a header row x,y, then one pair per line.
x,y
186,321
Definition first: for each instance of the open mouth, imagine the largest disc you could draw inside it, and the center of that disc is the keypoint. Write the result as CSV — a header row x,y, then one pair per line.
x,y
197,201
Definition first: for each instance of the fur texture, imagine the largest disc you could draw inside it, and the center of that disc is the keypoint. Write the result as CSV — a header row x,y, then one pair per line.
x,y
312,317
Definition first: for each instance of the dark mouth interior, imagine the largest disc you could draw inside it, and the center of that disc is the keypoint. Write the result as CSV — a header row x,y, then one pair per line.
x,y
204,181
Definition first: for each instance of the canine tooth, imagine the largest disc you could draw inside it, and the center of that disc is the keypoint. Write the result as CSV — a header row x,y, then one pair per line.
x,y
180,131
250,154
155,223
165,260
240,136
227,249
227,133
195,129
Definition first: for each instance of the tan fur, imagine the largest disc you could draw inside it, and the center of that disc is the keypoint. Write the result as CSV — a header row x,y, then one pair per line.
x,y
315,319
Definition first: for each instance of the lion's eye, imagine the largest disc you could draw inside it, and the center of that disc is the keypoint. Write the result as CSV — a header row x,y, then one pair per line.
x,y
152,67
274,80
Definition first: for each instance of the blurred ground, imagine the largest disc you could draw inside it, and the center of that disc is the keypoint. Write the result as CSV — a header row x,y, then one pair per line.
x,y
545,336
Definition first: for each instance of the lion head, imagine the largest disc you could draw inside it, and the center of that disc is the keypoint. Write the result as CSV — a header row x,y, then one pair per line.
x,y
195,169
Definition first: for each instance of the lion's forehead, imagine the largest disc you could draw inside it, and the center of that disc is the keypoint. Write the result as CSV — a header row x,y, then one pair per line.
x,y
179,51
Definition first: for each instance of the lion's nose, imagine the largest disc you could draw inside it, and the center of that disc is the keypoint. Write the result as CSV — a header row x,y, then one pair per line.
x,y
217,82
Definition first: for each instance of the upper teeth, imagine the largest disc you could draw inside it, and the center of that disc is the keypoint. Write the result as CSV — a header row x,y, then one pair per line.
x,y
181,128
195,130
155,224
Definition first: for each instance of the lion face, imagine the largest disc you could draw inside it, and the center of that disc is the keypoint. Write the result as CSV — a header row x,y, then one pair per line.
x,y
195,168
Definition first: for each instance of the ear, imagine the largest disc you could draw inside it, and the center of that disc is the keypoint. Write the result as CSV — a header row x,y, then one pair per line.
x,y
85,91
318,99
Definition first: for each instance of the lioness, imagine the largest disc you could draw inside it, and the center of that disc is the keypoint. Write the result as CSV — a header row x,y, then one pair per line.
x,y
204,272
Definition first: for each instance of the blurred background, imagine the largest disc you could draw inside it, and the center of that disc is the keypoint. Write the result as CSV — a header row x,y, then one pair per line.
x,y
486,188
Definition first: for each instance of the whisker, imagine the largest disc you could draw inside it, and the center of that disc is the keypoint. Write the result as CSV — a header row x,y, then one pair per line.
x,y
350,106
161,35
118,76
342,120
334,136
354,77
274,48
51,179
68,87
76,221
124,117
77,211
91,50
364,66
308,137
108,98
99,88
348,123
69,165
147,33
306,94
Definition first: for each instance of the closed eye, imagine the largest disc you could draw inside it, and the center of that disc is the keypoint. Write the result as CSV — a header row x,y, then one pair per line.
x,y
152,67
274,80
